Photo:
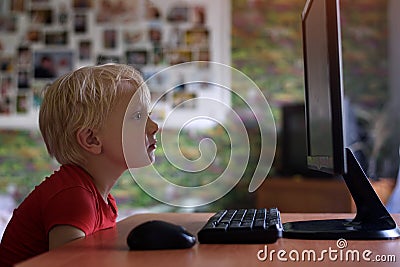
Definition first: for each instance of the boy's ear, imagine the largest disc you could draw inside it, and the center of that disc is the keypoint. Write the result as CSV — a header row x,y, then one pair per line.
x,y
88,140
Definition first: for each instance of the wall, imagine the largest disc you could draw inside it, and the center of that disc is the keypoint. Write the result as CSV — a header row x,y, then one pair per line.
x,y
43,39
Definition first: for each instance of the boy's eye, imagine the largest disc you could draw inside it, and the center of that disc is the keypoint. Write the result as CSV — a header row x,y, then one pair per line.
x,y
137,115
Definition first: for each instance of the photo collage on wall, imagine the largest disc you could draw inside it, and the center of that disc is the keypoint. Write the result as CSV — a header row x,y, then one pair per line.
x,y
43,39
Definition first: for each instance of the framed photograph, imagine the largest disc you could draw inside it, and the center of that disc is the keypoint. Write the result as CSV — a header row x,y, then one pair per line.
x,y
6,64
82,4
6,86
85,49
23,80
18,5
39,1
155,35
118,11
152,11
56,38
34,35
80,23
103,59
42,16
5,105
6,94
181,100
23,102
38,87
49,64
8,23
179,13
179,56
132,37
157,55
110,39
24,56
197,37
199,15
136,57
63,14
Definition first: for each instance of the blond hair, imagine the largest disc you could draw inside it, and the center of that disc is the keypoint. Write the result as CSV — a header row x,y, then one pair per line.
x,y
83,99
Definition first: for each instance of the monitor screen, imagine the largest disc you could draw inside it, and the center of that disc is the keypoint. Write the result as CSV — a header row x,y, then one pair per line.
x,y
323,86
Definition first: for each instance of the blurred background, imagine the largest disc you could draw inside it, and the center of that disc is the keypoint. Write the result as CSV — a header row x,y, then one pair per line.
x,y
42,39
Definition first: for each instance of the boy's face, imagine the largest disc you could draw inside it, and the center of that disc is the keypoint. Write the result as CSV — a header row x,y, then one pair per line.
x,y
129,124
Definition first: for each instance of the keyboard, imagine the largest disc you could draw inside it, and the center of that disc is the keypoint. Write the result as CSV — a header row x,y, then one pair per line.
x,y
242,226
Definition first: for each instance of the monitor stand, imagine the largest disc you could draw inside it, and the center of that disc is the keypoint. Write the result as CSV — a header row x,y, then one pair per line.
x,y
372,220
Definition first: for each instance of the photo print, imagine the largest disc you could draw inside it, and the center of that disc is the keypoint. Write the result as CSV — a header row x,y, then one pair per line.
x,y
110,39
179,13
118,11
184,100
41,16
24,56
103,59
85,50
82,4
33,35
179,56
8,23
6,64
7,92
18,5
133,36
50,64
136,57
80,23
56,38
196,37
38,87
63,14
23,79
23,102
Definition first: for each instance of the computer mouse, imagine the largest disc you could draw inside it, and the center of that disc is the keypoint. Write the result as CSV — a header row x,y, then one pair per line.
x,y
152,235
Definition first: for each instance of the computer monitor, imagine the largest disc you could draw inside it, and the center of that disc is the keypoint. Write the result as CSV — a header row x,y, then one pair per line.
x,y
293,143
323,83
325,133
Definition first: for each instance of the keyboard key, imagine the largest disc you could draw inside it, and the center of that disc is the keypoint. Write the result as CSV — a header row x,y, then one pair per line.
x,y
242,226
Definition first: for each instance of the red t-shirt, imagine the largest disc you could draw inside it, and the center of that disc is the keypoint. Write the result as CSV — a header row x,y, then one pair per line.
x,y
67,197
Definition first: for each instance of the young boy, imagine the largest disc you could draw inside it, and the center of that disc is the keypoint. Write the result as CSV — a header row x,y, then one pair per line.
x,y
90,120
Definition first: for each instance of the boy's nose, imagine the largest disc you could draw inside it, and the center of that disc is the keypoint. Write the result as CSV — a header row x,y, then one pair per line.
x,y
151,126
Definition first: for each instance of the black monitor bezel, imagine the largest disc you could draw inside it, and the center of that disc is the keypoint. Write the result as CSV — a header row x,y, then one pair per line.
x,y
336,163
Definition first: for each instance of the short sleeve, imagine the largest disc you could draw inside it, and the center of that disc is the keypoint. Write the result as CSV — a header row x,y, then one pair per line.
x,y
74,206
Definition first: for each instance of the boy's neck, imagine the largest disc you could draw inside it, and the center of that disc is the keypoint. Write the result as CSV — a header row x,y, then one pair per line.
x,y
103,178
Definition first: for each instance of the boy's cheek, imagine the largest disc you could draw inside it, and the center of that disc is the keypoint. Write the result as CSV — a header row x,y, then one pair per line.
x,y
137,156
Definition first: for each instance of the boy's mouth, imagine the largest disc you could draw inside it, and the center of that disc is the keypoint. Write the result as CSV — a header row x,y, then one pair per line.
x,y
152,146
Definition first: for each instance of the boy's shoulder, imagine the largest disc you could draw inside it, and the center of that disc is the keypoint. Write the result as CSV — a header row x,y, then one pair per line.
x,y
69,175
69,181
66,177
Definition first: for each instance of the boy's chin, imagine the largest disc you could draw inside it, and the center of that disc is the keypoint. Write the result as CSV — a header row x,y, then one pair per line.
x,y
142,164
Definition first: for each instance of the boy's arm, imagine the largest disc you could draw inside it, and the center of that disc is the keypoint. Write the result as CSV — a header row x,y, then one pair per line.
x,y
61,234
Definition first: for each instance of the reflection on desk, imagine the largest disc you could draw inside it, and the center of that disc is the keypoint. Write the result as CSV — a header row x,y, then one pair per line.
x,y
109,248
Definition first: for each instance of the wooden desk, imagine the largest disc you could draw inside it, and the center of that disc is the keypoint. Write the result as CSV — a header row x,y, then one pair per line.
x,y
108,248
